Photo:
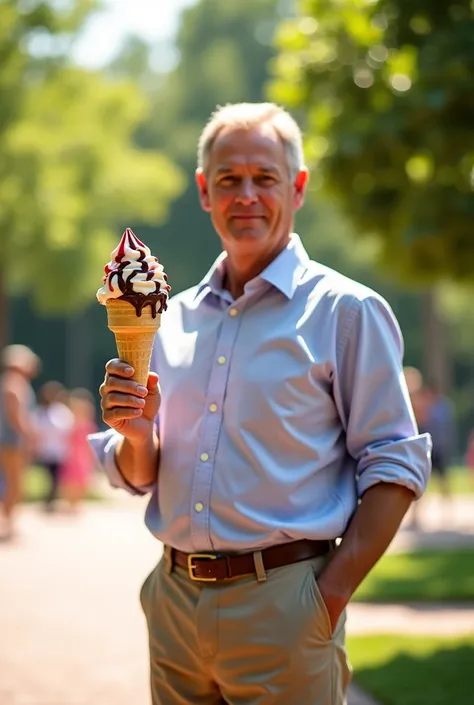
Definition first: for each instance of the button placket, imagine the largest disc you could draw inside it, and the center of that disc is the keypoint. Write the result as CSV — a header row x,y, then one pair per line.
x,y
216,390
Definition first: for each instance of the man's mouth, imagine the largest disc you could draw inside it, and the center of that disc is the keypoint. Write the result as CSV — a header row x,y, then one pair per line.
x,y
246,216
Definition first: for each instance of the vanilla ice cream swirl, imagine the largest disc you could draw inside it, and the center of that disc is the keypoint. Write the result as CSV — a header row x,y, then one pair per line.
x,y
133,272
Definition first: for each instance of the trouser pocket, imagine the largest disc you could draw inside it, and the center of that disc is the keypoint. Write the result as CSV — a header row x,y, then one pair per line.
x,y
315,568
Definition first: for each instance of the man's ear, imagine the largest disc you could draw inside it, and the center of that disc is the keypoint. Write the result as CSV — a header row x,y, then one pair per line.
x,y
300,185
201,183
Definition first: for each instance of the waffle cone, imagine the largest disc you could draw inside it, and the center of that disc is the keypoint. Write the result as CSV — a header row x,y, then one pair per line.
x,y
134,335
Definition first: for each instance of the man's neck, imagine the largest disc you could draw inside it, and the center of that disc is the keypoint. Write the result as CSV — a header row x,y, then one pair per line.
x,y
242,268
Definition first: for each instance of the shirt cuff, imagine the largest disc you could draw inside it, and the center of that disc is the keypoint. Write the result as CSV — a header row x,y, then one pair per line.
x,y
406,462
104,445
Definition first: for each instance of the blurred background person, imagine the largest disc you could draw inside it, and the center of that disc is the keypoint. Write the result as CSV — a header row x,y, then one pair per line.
x,y
434,413
17,437
53,425
77,471
439,421
419,401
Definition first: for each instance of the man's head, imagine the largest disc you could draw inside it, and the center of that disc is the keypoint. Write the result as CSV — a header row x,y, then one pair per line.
x,y
251,175
21,359
414,380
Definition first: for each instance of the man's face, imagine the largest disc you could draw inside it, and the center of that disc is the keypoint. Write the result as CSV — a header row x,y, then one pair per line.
x,y
248,191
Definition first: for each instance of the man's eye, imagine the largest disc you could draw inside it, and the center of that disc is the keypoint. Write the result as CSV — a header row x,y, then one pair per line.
x,y
265,179
228,181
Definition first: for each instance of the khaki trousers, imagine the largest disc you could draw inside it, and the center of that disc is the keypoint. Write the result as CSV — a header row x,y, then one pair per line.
x,y
243,642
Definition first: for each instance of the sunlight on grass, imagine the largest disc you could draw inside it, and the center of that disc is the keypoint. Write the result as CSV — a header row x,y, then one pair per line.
x,y
402,670
36,485
461,482
441,575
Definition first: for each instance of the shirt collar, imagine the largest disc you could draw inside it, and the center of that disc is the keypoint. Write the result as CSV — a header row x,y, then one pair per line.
x,y
283,273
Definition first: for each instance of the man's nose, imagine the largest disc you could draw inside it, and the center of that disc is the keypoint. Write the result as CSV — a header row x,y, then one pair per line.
x,y
246,194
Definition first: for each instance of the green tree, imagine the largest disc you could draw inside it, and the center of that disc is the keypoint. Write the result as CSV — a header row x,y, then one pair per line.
x,y
71,175
20,27
387,89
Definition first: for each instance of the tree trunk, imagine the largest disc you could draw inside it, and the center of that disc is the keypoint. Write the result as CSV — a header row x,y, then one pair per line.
x,y
436,357
4,312
78,352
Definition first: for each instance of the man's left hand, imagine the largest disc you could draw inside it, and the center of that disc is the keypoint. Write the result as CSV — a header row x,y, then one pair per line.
x,y
366,539
335,603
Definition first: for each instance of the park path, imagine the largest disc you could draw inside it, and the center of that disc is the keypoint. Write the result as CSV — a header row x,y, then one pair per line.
x,y
71,628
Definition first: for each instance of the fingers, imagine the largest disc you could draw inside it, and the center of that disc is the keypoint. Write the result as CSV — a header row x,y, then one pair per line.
x,y
118,368
120,413
152,383
122,386
118,379
118,407
114,399
121,397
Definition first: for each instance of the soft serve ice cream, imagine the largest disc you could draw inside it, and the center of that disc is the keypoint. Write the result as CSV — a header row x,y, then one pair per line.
x,y
135,293
135,275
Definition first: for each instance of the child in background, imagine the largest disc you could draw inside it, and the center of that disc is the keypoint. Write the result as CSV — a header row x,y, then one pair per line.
x,y
77,471
53,422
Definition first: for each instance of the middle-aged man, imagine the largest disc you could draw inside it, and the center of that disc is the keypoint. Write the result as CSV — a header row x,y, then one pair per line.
x,y
283,404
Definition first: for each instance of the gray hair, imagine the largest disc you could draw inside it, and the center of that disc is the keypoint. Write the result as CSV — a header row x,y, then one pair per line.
x,y
247,115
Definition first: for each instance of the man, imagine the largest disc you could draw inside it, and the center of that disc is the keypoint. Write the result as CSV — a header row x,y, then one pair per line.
x,y
282,404
17,438
434,414
440,424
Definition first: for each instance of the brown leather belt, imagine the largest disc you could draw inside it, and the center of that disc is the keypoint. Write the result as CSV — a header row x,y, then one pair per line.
x,y
210,567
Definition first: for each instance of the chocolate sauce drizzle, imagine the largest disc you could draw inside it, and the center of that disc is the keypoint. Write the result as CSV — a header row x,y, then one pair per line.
x,y
158,300
157,303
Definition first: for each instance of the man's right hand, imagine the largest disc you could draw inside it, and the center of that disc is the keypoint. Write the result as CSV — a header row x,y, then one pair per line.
x,y
126,406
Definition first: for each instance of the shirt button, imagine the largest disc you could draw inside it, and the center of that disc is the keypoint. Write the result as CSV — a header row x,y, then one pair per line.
x,y
233,312
213,408
221,360
198,507
204,457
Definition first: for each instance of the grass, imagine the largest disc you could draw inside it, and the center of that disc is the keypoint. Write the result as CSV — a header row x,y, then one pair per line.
x,y
431,576
402,670
461,482
36,485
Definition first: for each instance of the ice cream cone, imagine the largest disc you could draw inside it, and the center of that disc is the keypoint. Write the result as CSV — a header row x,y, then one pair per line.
x,y
135,292
134,335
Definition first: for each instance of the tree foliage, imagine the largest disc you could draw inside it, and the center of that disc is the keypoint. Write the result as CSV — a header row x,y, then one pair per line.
x,y
387,87
70,172
73,176
224,49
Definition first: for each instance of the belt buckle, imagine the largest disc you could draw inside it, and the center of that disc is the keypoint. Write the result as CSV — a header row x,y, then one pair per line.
x,y
192,567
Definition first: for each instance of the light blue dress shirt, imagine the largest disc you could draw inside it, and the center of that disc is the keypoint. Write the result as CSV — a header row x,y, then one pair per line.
x,y
279,409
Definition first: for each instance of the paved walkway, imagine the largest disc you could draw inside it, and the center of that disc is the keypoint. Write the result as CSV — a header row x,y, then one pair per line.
x,y
431,620
71,629
440,525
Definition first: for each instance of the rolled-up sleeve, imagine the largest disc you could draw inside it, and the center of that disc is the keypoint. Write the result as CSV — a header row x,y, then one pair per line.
x,y
104,445
373,400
